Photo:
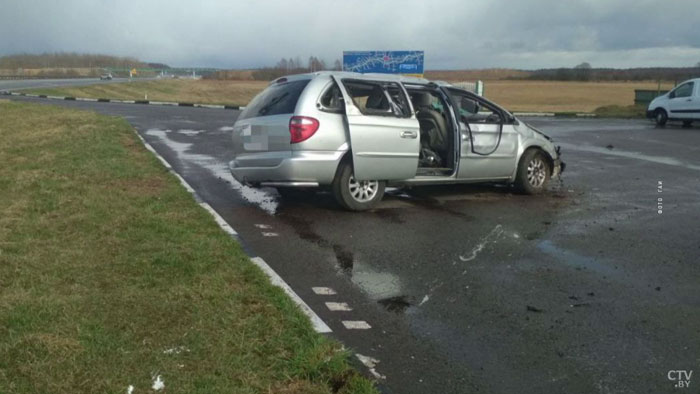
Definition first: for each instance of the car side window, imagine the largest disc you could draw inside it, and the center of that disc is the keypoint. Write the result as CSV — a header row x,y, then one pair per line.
x,y
378,98
472,110
685,90
332,100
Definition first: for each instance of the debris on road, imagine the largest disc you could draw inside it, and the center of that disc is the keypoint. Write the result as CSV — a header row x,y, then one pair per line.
x,y
531,308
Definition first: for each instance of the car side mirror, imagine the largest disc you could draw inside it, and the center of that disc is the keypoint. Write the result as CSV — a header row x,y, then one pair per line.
x,y
672,94
469,105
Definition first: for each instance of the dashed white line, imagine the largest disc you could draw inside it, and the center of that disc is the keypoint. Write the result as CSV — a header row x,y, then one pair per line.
x,y
318,324
265,234
323,290
356,325
338,306
262,226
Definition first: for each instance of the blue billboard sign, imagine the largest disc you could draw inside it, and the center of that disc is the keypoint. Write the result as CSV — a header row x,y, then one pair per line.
x,y
387,62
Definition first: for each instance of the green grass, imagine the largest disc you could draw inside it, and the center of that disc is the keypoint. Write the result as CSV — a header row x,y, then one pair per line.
x,y
106,262
617,111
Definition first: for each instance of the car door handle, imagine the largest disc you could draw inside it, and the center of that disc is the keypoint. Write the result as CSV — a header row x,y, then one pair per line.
x,y
409,134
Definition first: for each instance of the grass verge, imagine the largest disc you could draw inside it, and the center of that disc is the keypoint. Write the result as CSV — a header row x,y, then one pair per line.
x,y
111,274
619,111
236,93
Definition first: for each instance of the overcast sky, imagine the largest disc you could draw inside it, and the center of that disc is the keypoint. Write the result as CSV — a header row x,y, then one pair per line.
x,y
454,34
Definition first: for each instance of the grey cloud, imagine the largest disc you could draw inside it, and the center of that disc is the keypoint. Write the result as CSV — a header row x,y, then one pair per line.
x,y
453,33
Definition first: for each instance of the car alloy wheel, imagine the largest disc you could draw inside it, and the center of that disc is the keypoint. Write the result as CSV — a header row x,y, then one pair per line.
x,y
536,172
362,191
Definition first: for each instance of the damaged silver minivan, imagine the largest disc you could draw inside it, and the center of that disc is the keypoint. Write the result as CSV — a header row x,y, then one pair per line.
x,y
359,133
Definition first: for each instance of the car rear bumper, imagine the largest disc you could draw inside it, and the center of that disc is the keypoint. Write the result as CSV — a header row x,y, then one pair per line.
x,y
301,169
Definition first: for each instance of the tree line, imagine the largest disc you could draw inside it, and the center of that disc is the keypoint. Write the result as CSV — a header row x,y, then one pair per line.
x,y
584,72
71,60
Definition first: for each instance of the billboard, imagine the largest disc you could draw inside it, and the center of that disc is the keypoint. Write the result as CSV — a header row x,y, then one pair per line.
x,y
387,62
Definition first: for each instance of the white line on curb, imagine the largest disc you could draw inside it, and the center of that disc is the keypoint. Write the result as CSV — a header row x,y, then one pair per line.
x,y
323,290
338,306
356,325
275,279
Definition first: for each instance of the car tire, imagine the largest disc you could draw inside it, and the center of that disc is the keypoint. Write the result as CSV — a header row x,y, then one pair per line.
x,y
355,195
687,123
533,172
660,117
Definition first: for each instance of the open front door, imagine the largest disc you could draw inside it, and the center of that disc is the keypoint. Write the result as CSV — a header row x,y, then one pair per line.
x,y
384,133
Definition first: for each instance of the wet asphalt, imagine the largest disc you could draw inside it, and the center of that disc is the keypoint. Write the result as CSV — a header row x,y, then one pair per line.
x,y
585,289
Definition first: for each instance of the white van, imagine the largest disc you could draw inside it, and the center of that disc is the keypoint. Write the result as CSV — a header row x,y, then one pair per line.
x,y
680,104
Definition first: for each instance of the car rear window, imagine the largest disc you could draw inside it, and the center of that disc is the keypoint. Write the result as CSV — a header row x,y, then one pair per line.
x,y
280,98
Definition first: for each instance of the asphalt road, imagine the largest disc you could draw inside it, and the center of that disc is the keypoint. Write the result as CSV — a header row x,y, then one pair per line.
x,y
19,84
586,289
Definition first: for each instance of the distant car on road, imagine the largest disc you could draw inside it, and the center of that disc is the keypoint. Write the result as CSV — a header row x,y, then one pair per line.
x,y
358,133
106,77
680,104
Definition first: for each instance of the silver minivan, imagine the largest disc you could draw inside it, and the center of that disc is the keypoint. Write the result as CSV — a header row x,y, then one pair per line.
x,y
358,133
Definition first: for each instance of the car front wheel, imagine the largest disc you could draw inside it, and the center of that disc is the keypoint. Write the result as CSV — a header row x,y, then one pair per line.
x,y
353,194
660,117
533,172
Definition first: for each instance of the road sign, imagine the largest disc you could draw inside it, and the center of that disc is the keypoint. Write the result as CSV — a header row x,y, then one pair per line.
x,y
387,62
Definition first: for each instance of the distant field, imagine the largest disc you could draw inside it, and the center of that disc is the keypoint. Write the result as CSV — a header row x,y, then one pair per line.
x,y
538,96
553,96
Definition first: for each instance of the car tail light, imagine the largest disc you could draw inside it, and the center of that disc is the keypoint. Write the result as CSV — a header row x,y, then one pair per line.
x,y
301,128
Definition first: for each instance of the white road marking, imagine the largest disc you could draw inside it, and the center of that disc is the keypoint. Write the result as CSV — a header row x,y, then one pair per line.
x,y
226,128
323,290
219,220
425,299
371,364
263,226
631,155
356,325
498,230
190,132
264,234
338,306
275,279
